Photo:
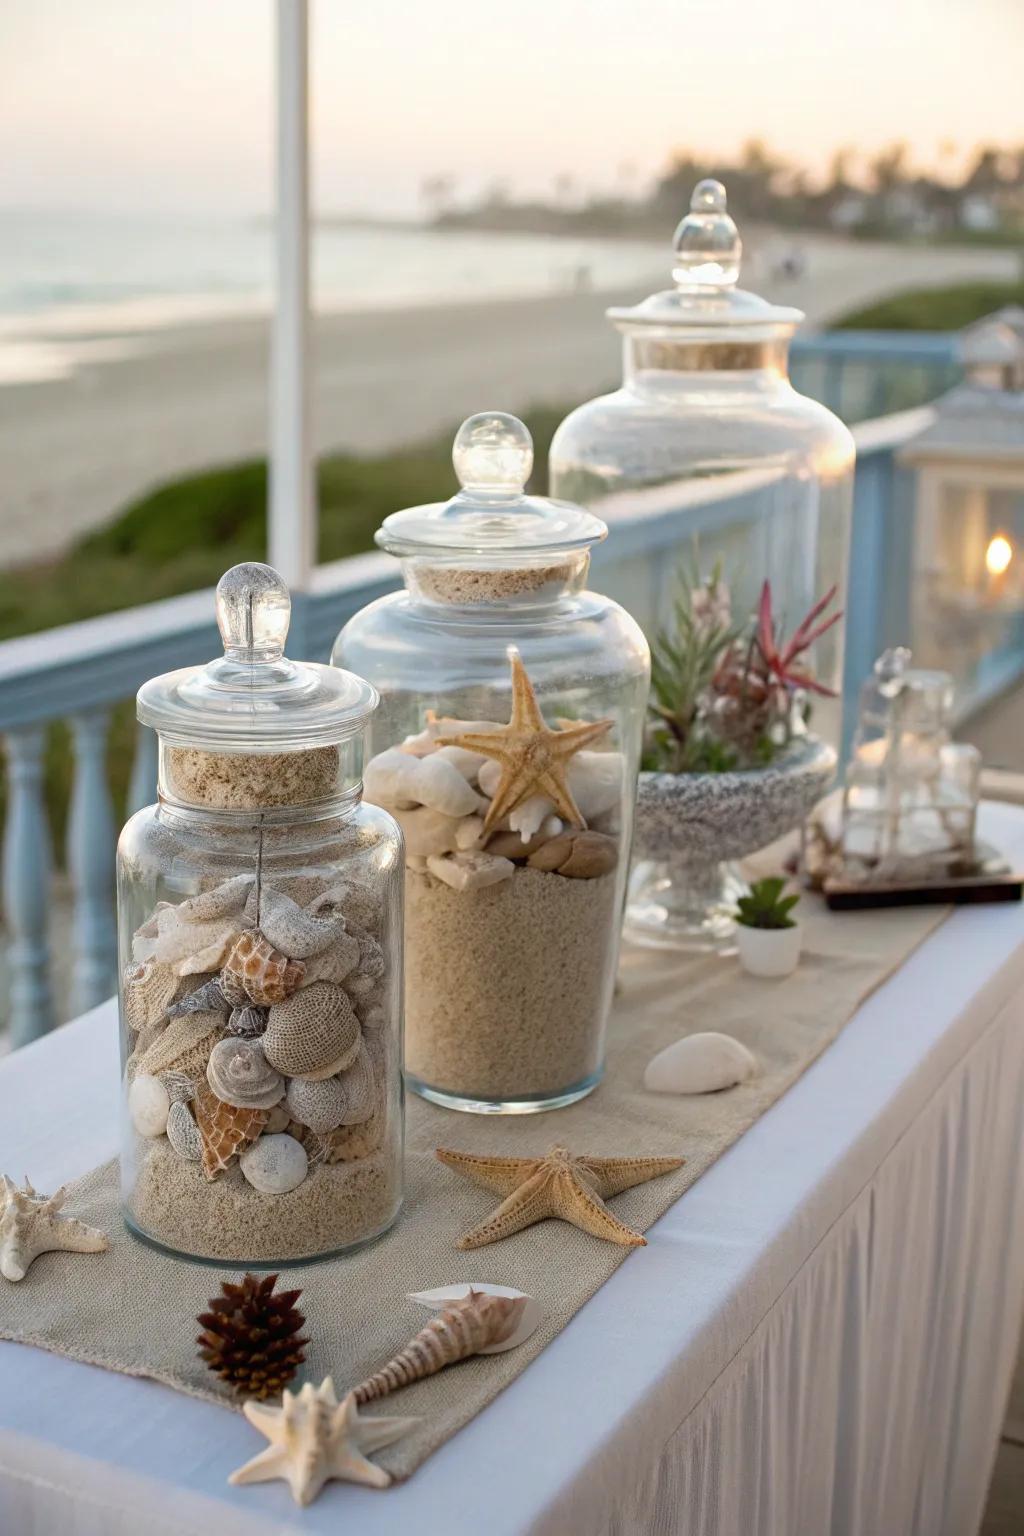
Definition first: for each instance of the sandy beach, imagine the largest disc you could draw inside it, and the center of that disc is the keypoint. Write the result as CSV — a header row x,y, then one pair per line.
x,y
142,409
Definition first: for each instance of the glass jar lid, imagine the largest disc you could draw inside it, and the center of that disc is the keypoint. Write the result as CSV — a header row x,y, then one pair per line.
x,y
706,251
253,699
491,515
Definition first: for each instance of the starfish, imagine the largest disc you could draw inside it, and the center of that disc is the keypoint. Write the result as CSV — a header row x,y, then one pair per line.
x,y
534,759
314,1438
558,1184
30,1224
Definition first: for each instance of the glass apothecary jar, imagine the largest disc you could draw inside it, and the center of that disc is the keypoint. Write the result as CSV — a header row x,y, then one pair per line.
x,y
707,426
507,746
260,931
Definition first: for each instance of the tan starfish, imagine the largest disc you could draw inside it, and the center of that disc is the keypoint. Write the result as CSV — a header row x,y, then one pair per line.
x,y
534,759
571,1188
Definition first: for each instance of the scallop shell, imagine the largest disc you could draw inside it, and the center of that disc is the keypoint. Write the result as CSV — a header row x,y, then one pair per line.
x,y
240,1074
701,1063
356,903
148,991
267,975
312,1033
479,1322
248,1022
184,1046
183,1133
224,900
225,1130
204,999
180,1087
290,928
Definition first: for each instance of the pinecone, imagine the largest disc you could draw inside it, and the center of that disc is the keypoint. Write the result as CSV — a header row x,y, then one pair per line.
x,y
250,1336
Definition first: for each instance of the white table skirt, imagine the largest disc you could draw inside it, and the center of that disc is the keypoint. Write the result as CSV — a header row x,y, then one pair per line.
x,y
818,1338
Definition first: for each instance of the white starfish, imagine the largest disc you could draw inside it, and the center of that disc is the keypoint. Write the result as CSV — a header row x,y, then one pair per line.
x,y
314,1438
30,1225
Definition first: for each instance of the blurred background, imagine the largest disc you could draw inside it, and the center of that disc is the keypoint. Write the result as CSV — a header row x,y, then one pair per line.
x,y
482,188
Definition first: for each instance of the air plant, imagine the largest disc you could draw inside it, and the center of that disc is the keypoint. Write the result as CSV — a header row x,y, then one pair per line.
x,y
779,658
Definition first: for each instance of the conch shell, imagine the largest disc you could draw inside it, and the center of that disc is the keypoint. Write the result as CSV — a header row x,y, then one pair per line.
x,y
476,1323
264,974
225,1130
30,1224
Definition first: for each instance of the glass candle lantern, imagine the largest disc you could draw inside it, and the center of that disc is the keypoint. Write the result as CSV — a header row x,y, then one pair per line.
x,y
260,926
507,747
707,426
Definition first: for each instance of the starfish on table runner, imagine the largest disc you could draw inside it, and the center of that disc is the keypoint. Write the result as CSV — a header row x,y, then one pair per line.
x,y
314,1438
571,1188
534,759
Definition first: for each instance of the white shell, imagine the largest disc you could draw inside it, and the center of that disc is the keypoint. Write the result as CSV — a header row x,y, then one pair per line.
x,y
469,832
595,779
148,1104
471,871
701,1063
275,1164
397,778
533,1313
468,763
290,928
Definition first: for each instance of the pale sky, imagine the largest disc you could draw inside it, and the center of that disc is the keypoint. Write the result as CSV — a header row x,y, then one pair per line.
x,y
126,104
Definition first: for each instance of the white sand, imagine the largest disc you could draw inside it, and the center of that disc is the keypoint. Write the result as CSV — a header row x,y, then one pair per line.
x,y
76,450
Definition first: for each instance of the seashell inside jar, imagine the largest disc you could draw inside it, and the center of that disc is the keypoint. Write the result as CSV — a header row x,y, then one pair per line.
x,y
260,923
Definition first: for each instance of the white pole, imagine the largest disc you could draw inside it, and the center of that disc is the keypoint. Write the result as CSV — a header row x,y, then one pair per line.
x,y
292,509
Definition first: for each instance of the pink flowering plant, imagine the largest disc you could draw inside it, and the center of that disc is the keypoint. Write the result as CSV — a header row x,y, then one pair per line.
x,y
727,696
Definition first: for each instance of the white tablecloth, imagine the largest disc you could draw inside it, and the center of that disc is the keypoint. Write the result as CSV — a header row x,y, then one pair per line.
x,y
818,1339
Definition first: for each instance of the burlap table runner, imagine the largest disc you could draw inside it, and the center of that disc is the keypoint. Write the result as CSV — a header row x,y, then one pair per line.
x,y
133,1310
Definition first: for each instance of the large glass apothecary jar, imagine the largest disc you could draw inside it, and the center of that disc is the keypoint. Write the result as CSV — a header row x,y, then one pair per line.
x,y
507,746
260,930
708,441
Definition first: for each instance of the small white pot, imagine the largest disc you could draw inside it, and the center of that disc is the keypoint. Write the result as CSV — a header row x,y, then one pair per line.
x,y
769,951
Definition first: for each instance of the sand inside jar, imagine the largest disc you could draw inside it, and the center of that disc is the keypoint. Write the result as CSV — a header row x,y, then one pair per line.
x,y
226,1218
508,987
466,585
241,781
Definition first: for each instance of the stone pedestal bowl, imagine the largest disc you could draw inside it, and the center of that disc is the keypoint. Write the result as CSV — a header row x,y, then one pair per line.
x,y
690,827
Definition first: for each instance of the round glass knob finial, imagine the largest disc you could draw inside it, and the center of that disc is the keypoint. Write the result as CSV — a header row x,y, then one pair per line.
x,y
706,248
253,610
493,452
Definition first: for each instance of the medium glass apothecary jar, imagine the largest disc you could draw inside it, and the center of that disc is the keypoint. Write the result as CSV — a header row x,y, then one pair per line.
x,y
708,440
507,746
260,930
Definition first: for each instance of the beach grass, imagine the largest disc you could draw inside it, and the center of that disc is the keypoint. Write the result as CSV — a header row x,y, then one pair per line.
x,y
933,309
182,536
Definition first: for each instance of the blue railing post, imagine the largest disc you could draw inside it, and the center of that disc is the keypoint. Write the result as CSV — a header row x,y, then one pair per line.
x,y
142,785
27,876
92,838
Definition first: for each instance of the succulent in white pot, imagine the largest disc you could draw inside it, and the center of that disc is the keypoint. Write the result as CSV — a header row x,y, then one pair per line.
x,y
769,939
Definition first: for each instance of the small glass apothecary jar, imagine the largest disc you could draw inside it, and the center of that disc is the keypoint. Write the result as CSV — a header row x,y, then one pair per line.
x,y
507,746
260,929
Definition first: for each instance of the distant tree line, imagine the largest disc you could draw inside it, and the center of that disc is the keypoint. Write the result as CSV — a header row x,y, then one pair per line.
x,y
887,197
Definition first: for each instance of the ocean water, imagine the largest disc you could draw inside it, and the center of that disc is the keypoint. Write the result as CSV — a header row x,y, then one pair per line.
x,y
78,288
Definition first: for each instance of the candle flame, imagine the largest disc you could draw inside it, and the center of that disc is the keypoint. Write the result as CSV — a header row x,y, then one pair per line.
x,y
998,555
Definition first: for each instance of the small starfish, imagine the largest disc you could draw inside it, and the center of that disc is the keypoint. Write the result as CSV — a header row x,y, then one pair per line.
x,y
558,1184
534,759
31,1224
314,1438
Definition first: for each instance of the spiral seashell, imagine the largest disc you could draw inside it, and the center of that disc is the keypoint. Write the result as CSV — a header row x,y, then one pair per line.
x,y
203,1000
148,990
183,1133
266,974
314,1033
290,928
240,1074
463,1329
248,1022
225,1130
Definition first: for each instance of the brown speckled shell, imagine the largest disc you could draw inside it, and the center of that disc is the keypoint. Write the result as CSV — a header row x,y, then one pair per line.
x,y
267,976
225,1130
